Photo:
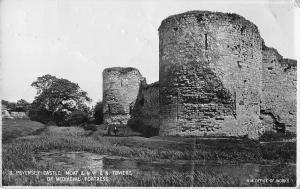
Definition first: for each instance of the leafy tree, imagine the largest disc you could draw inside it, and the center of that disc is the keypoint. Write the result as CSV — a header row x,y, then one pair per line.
x,y
11,106
98,112
22,105
4,102
43,83
78,117
59,97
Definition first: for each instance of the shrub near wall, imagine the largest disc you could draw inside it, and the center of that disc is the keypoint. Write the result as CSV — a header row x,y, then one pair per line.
x,y
78,117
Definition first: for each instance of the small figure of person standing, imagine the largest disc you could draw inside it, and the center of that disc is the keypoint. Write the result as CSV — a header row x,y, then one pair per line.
x,y
115,130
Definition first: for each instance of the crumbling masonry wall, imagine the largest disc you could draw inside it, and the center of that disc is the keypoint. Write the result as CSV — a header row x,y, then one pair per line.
x,y
279,89
120,90
145,117
207,66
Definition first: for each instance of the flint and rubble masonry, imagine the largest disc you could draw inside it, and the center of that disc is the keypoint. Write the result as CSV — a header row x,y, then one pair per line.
x,y
214,79
120,90
279,89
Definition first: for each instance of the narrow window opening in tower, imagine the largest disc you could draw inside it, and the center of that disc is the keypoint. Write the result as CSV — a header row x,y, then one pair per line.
x,y
206,44
177,104
109,108
234,105
121,83
243,29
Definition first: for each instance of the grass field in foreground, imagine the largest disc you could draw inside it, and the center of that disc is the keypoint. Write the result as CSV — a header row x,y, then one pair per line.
x,y
18,155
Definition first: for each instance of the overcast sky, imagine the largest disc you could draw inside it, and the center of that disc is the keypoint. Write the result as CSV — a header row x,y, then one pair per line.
x,y
77,39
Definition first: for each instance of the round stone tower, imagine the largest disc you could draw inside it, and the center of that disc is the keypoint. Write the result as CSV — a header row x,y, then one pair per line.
x,y
210,69
120,91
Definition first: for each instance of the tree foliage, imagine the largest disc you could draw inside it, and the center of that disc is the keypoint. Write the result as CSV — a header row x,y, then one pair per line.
x,y
11,106
78,117
21,105
59,97
98,112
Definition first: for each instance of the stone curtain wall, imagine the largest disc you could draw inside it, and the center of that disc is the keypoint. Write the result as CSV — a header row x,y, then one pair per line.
x,y
279,101
207,63
145,117
120,90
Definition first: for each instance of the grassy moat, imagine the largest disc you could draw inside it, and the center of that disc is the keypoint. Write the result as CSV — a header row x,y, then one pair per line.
x,y
154,161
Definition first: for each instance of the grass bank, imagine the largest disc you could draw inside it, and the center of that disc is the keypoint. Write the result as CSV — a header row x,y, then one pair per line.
x,y
12,129
18,154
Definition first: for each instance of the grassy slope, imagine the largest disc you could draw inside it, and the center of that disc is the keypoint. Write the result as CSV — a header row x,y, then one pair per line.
x,y
17,155
12,129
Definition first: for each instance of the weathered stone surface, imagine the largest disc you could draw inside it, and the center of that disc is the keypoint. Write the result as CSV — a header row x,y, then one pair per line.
x,y
207,64
19,115
6,115
279,89
145,116
120,90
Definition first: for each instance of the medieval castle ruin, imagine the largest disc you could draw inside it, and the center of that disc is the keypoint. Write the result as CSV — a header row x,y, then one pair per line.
x,y
216,77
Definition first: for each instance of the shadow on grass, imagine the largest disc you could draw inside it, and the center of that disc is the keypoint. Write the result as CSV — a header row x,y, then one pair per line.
x,y
277,136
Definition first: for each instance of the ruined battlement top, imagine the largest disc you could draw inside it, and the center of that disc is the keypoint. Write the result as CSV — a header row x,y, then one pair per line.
x,y
284,62
208,16
121,70
152,85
